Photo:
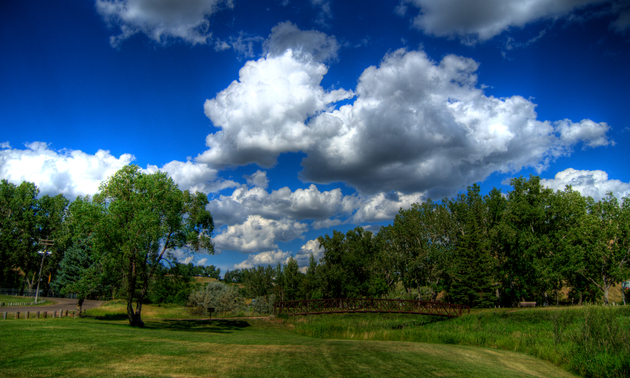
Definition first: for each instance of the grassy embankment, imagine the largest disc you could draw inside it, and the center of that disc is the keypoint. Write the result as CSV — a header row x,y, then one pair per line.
x,y
105,346
592,341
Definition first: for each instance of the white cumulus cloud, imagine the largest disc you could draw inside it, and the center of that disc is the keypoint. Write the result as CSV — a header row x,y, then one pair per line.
x,y
300,204
76,173
311,247
421,126
263,113
161,20
193,176
315,44
69,172
480,20
258,178
384,206
263,259
415,126
593,184
258,234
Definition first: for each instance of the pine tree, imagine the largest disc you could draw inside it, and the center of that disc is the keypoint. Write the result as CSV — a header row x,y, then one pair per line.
x,y
473,269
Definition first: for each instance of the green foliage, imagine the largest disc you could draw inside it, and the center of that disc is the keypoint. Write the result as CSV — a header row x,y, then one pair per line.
x,y
349,265
172,285
471,281
263,305
420,245
24,219
223,298
81,273
258,281
233,276
134,220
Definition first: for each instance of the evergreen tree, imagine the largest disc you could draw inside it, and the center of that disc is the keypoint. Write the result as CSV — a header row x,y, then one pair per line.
x,y
472,276
80,273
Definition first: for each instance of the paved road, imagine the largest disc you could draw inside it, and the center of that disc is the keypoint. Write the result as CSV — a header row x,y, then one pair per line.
x,y
62,304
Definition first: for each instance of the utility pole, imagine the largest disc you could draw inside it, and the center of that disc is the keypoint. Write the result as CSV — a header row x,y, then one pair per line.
x,y
46,243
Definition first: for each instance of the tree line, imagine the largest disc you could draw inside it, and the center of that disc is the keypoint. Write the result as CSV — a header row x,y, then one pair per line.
x,y
530,244
495,250
120,242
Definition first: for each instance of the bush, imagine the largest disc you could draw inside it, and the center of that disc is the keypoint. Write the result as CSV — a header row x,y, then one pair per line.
x,y
263,305
222,297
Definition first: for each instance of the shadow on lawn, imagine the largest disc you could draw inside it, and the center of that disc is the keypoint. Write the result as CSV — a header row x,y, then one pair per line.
x,y
200,325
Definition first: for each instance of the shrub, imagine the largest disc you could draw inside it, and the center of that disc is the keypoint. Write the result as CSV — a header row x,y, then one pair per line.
x,y
263,305
222,297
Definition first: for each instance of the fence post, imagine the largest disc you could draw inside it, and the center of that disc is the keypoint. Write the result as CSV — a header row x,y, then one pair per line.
x,y
37,314
17,316
4,315
27,314
45,314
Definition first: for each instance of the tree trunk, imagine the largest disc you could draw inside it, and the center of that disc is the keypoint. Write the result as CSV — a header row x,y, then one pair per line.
x,y
79,305
134,316
580,302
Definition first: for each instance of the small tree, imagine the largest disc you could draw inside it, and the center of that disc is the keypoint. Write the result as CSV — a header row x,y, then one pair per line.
x,y
80,273
223,298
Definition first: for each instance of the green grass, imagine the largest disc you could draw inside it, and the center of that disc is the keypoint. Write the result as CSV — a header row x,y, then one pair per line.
x,y
24,300
105,346
591,341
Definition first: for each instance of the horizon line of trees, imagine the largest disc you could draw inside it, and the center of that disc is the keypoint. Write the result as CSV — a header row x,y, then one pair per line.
x,y
494,250
482,251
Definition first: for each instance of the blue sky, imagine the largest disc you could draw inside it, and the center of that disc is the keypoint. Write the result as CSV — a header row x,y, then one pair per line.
x,y
300,117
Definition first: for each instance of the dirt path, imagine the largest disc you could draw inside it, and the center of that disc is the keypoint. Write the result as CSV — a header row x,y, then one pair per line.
x,y
62,304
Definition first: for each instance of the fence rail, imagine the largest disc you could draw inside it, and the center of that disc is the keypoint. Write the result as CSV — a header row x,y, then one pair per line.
x,y
401,306
31,293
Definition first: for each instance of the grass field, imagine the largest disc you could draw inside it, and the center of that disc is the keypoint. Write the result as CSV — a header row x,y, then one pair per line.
x,y
591,341
234,348
340,345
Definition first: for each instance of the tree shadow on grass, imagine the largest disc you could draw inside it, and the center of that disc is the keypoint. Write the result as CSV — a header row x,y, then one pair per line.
x,y
109,317
200,325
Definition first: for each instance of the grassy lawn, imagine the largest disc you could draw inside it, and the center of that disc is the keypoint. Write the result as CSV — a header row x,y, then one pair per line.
x,y
24,300
105,346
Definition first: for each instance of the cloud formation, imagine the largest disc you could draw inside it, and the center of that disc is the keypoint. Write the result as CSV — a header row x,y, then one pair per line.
x,y
286,36
258,234
300,204
258,178
416,126
278,256
480,20
263,259
69,172
594,184
263,113
194,177
76,173
384,206
161,20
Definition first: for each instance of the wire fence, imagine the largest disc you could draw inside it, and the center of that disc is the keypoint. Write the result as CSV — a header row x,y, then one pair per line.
x,y
31,293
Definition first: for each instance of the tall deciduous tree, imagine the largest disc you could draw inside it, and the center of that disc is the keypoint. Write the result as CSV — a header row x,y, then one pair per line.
x,y
604,256
24,219
135,219
18,230
420,241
